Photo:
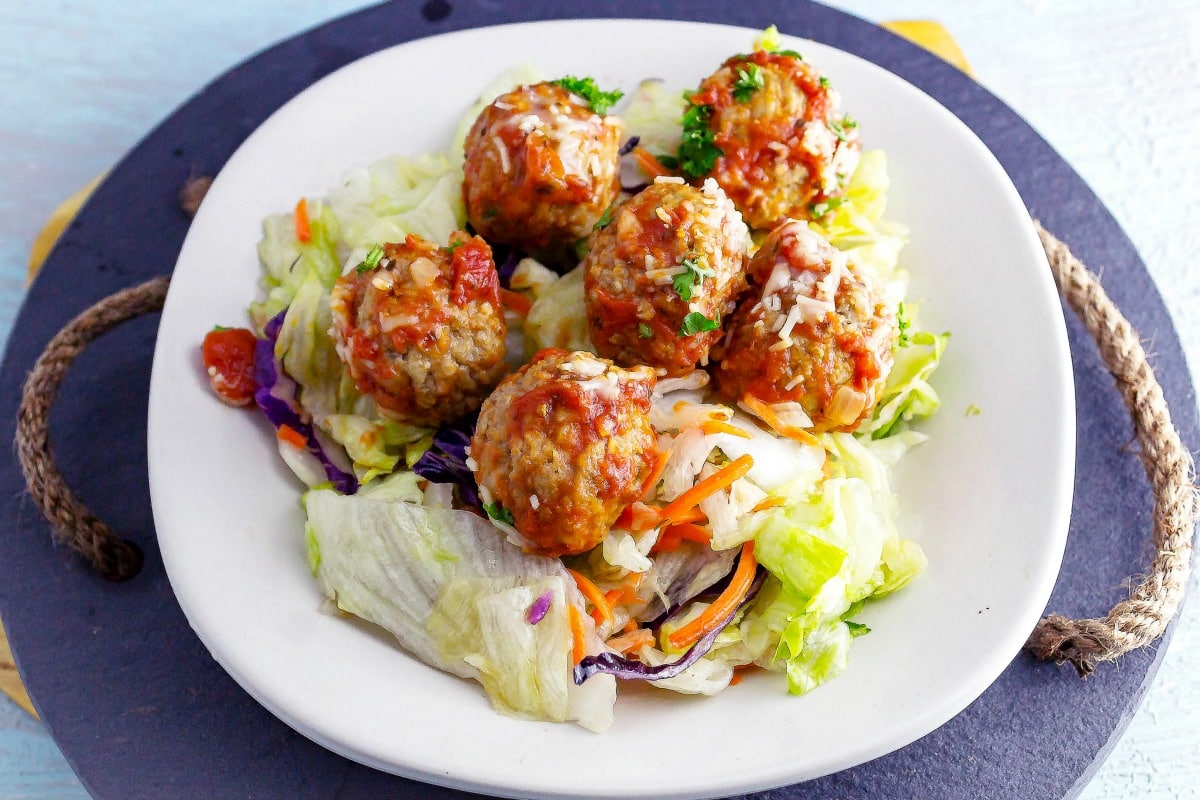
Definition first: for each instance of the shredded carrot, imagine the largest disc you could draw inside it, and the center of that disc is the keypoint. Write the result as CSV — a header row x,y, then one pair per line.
x,y
516,301
648,163
666,544
578,648
771,501
725,604
651,482
601,610
720,426
635,640
303,229
292,436
630,626
740,671
637,517
714,483
692,515
670,539
767,414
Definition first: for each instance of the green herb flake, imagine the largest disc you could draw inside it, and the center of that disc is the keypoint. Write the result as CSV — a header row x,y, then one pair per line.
x,y
219,328
791,53
670,162
698,152
695,322
822,208
499,513
605,219
902,325
841,127
644,331
973,410
581,248
450,248
586,88
824,82
857,629
374,256
749,81
695,270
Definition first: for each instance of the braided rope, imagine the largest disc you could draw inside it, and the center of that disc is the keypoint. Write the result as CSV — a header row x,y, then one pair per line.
x,y
115,558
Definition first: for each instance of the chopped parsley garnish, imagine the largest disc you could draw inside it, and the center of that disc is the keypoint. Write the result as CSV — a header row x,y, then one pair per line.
x,y
857,629
586,88
695,270
973,410
219,328
825,206
670,162
902,325
841,127
605,218
698,151
824,82
791,53
581,248
695,322
450,248
499,513
749,81
374,256
644,331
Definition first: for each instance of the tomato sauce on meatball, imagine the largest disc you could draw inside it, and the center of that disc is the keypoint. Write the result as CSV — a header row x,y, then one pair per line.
x,y
660,277
565,444
422,332
541,168
812,331
785,148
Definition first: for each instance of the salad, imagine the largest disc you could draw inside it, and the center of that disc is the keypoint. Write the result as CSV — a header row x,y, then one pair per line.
x,y
609,390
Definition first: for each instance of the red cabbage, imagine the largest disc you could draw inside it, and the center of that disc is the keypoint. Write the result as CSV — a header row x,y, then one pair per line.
x,y
446,460
633,670
537,610
630,143
276,396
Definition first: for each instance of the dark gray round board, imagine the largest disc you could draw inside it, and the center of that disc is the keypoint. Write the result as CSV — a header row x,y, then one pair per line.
x,y
140,708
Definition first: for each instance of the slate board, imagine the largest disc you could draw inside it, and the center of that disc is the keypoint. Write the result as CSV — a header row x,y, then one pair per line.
x,y
138,706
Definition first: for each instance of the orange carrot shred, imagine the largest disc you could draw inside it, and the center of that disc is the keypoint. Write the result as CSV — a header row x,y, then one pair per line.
x,y
691,532
714,483
637,516
720,426
768,415
725,604
578,648
635,640
771,501
651,482
648,163
303,228
630,626
601,610
516,301
292,436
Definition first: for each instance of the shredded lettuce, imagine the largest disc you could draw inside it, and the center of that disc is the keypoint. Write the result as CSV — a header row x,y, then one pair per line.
x,y
908,395
397,196
288,263
558,318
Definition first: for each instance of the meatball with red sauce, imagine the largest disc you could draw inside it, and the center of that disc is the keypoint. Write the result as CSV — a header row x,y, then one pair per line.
x,y
659,278
565,444
541,168
812,331
785,147
420,328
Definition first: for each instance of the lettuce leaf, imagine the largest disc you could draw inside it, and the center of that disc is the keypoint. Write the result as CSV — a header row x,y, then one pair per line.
x,y
907,394
288,263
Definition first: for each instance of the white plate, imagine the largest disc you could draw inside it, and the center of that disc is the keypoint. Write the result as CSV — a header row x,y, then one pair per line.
x,y
988,497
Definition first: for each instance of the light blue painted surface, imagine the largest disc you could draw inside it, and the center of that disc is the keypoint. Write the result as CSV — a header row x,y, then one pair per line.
x,y
1114,85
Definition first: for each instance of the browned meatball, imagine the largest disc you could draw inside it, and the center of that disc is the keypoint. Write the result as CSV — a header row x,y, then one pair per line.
x,y
786,148
565,444
813,331
541,168
661,276
422,331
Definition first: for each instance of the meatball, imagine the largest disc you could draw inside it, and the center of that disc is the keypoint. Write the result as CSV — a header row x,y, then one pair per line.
x,y
565,444
660,277
813,331
541,168
420,328
785,149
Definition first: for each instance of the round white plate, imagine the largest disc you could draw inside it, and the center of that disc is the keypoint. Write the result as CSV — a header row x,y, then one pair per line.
x,y
988,497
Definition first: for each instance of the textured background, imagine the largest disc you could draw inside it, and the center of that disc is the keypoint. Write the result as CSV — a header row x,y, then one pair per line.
x,y
1114,86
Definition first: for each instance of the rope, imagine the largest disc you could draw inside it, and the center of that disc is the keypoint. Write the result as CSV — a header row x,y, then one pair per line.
x,y
113,557
1131,624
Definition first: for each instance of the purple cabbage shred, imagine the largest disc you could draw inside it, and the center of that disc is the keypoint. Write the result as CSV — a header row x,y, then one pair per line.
x,y
633,670
537,610
630,143
446,460
276,394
